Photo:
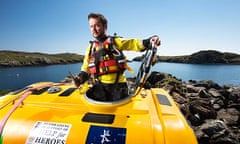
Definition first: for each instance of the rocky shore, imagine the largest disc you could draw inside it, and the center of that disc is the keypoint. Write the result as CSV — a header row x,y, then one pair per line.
x,y
211,109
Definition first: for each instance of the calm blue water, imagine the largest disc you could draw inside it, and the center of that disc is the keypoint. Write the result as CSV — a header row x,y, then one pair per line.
x,y
18,77
221,74
15,78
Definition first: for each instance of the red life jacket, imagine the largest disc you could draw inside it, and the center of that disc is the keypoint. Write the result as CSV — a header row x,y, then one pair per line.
x,y
105,58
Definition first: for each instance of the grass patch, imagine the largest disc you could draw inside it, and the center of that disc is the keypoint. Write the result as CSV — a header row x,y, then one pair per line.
x,y
3,92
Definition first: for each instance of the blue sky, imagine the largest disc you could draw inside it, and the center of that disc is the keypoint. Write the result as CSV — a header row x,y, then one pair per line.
x,y
184,26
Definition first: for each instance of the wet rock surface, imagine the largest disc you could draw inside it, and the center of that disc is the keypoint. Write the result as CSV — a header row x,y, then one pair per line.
x,y
212,110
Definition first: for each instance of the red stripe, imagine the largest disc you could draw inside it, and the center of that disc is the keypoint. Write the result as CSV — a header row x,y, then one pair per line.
x,y
107,63
92,70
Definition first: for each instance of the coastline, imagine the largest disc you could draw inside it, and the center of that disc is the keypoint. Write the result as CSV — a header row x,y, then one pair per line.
x,y
20,59
201,57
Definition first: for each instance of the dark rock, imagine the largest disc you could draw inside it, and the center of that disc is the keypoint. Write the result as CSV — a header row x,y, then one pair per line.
x,y
178,98
207,84
218,104
204,94
156,77
215,132
203,108
230,116
212,110
194,89
234,94
214,92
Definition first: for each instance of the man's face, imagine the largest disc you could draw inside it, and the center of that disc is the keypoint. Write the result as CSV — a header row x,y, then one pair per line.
x,y
97,28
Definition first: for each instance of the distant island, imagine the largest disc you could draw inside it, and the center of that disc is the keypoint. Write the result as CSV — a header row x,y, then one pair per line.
x,y
201,57
16,58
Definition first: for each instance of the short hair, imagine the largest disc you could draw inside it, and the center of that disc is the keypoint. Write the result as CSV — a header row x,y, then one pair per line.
x,y
98,16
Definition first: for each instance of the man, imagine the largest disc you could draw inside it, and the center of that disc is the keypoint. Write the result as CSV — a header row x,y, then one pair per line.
x,y
105,63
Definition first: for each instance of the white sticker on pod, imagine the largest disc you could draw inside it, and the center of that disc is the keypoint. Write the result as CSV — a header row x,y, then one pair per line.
x,y
49,133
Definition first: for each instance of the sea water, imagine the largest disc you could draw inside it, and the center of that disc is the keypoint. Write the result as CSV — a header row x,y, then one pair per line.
x,y
19,77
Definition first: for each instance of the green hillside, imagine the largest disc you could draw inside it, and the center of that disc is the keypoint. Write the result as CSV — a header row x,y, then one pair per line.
x,y
201,57
15,58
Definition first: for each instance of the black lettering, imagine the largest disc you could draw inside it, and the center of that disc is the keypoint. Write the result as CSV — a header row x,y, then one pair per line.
x,y
63,142
48,141
58,141
54,132
38,140
43,140
53,141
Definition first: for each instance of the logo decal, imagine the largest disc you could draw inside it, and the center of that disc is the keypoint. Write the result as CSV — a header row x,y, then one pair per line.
x,y
106,135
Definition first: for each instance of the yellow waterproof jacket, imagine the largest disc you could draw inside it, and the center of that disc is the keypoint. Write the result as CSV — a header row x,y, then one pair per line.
x,y
121,44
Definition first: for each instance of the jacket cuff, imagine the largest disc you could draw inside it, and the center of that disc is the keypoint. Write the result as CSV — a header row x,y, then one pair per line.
x,y
83,75
146,43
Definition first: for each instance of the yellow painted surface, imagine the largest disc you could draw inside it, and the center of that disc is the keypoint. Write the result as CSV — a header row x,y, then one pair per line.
x,y
143,118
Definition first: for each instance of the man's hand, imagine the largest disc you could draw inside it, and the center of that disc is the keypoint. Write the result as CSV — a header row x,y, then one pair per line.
x,y
81,78
155,39
77,81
